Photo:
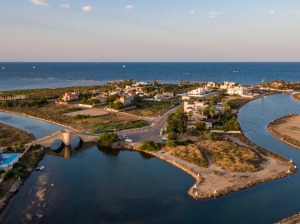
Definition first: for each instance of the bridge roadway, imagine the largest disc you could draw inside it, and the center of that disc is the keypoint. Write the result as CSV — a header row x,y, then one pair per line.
x,y
151,133
66,136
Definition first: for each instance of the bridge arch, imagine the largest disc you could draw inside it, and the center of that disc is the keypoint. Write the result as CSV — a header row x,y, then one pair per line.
x,y
66,136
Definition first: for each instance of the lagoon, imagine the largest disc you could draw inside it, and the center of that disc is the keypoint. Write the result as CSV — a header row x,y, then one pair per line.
x,y
94,186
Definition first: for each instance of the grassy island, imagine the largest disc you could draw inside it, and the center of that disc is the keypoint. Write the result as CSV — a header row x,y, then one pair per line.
x,y
287,129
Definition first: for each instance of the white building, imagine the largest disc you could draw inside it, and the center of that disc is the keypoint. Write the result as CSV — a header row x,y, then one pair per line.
x,y
236,90
227,85
195,106
199,91
211,85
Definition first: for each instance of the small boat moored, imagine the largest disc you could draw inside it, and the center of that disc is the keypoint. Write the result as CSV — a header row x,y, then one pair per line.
x,y
41,168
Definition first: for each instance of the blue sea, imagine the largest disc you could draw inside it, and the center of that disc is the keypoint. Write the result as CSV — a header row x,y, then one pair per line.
x,y
32,75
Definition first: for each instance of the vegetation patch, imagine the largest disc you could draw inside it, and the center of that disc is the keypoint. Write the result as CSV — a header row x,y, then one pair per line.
x,y
152,108
149,146
231,156
296,96
14,138
191,153
106,140
22,169
118,125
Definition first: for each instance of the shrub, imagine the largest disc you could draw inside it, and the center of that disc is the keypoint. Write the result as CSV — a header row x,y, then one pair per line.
x,y
172,136
171,143
200,126
149,146
107,139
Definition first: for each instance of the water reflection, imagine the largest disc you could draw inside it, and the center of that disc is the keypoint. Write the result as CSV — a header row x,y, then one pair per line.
x,y
68,151
110,152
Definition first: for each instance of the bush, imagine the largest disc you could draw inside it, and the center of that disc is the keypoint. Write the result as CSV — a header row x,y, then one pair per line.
x,y
200,126
107,139
210,135
171,144
8,174
192,131
81,116
149,146
172,136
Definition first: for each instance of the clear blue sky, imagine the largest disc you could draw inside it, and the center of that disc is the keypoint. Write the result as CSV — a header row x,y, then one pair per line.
x,y
150,30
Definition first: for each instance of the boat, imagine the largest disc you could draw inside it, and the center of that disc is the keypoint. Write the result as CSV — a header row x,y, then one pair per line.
x,y
124,66
41,168
33,67
3,67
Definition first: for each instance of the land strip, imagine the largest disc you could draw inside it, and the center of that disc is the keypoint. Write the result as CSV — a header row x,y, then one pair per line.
x,y
287,129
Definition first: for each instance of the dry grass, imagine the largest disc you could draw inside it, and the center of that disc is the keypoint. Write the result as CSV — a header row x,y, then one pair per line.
x,y
191,153
232,157
55,112
296,96
13,137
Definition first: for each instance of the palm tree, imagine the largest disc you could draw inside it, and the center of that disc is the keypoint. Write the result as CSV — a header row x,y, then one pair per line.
x,y
190,114
212,111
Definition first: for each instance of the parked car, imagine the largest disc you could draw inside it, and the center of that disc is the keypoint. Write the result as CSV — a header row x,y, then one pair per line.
x,y
128,140
124,136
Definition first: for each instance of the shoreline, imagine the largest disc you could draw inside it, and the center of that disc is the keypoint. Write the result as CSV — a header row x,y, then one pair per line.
x,y
280,136
195,190
17,183
38,118
204,188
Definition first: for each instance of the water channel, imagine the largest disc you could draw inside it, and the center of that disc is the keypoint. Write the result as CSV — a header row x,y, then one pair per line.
x,y
95,186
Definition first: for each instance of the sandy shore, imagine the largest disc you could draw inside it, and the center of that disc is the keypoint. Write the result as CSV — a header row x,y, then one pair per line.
x,y
215,182
287,129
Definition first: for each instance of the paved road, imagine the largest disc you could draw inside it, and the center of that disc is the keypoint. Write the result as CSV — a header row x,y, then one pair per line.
x,y
152,132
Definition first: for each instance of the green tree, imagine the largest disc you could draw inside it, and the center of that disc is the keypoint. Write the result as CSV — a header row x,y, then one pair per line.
x,y
200,126
177,122
212,111
232,125
112,98
190,113
172,136
107,139
149,146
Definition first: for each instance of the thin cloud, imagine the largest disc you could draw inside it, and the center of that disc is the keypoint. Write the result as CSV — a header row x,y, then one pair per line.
x,y
65,6
87,8
213,15
191,12
272,11
40,2
129,7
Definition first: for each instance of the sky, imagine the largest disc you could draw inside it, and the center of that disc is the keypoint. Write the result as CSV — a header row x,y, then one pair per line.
x,y
150,30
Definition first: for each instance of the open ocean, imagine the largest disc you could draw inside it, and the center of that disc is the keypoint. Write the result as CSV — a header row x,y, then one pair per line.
x,y
51,75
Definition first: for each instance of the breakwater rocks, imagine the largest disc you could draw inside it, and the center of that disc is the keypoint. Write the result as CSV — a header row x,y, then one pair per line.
x,y
204,186
12,191
123,145
290,220
273,129
196,193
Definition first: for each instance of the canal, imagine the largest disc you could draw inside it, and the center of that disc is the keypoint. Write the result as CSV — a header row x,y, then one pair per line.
x,y
96,186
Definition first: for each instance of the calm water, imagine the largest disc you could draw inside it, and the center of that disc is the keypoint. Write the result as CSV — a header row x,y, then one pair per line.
x,y
92,186
24,76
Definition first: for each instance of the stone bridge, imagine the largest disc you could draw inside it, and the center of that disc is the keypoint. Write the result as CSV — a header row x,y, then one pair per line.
x,y
66,136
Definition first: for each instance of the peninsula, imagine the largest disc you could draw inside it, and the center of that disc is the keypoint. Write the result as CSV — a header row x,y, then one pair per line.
x,y
192,126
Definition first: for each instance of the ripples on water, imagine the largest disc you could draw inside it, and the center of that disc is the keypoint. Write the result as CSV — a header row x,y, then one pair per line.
x,y
51,75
